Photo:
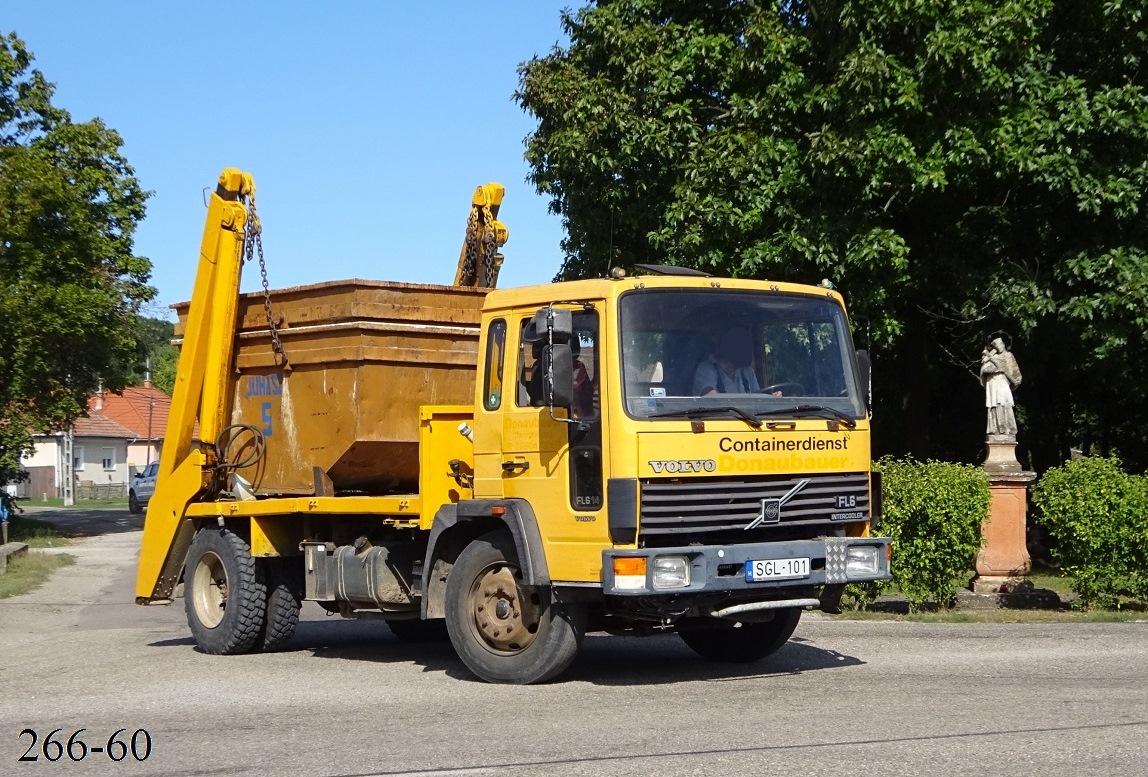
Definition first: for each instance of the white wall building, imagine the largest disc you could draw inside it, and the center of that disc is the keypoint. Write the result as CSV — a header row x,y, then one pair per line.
x,y
99,461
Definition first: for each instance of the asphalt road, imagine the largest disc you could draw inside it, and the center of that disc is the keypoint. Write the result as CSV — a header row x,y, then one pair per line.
x,y
347,699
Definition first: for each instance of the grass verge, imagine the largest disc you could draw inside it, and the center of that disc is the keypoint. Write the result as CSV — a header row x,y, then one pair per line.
x,y
1000,616
38,534
1036,605
80,504
1053,581
31,570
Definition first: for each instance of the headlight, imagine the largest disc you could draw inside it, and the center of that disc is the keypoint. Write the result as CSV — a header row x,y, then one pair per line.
x,y
671,572
862,561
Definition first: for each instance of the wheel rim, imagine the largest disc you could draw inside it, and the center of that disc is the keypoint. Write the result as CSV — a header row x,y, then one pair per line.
x,y
505,617
209,590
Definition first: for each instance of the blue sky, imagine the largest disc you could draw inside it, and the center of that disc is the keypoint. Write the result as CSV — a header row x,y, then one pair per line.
x,y
367,125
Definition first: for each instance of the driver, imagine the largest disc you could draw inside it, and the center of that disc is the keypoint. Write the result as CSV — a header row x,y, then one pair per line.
x,y
729,369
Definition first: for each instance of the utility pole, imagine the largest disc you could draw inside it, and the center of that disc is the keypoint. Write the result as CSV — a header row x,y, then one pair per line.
x,y
150,408
69,476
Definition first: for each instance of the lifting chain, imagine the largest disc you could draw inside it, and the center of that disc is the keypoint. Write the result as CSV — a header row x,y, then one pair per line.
x,y
468,273
252,244
490,244
480,265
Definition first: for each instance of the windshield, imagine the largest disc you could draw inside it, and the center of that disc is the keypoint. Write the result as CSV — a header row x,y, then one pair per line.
x,y
699,353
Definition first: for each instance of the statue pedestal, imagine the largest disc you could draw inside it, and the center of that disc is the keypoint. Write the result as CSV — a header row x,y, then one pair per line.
x,y
1004,562
1000,456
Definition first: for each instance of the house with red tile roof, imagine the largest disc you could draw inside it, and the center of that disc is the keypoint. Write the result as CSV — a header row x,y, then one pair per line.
x,y
143,410
120,435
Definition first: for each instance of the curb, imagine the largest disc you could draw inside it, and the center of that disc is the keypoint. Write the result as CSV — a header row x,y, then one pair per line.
x,y
11,549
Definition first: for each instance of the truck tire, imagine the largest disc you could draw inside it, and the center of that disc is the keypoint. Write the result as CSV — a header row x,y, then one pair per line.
x,y
741,643
134,505
416,631
224,593
502,630
284,578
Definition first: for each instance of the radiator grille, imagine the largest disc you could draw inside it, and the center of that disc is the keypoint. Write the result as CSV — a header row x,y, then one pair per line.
x,y
673,507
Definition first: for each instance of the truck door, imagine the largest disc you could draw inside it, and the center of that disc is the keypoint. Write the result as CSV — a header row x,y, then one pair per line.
x,y
556,463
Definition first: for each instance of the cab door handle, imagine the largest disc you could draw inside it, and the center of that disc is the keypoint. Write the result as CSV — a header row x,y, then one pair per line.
x,y
515,465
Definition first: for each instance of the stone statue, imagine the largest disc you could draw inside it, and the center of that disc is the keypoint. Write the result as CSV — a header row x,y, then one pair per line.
x,y
999,375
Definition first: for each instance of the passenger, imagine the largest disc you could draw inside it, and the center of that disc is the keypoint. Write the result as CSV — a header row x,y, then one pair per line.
x,y
533,378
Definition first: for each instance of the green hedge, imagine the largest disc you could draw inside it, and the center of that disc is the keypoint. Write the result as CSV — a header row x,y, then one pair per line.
x,y
933,512
1097,516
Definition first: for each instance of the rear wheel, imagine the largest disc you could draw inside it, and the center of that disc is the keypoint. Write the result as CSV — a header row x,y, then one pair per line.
x,y
284,578
225,593
504,631
741,643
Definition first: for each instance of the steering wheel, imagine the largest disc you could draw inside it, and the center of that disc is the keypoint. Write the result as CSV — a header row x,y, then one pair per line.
x,y
784,388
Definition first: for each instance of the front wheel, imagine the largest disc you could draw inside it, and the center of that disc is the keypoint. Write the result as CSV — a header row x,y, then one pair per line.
x,y
224,592
741,643
504,631
134,505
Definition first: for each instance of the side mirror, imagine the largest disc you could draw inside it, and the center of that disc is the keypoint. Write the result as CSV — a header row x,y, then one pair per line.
x,y
552,322
865,372
558,375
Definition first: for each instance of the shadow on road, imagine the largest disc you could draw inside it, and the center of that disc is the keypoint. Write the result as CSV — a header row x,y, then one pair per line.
x,y
615,661
79,522
352,640
603,660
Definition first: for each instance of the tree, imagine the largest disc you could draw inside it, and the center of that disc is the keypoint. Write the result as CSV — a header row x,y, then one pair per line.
x,y
70,286
155,335
955,168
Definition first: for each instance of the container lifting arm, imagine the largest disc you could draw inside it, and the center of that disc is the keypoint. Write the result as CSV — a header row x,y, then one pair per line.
x,y
201,388
479,262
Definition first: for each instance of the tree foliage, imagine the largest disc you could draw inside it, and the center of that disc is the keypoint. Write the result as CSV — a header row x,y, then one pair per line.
x,y
954,167
155,336
70,286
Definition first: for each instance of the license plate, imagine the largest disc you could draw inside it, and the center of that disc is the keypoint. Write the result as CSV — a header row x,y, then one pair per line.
x,y
776,569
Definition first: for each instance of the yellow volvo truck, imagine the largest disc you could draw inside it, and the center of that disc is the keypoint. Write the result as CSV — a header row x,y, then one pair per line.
x,y
667,452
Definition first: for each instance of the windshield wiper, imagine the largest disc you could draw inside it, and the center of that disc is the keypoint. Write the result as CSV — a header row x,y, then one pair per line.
x,y
797,409
694,412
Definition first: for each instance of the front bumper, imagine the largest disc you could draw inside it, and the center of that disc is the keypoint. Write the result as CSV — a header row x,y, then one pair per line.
x,y
721,568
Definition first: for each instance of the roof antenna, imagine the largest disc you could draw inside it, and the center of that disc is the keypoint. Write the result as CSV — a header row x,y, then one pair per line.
x,y
610,250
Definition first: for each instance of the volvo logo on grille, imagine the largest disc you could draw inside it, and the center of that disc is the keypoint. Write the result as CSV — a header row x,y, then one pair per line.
x,y
771,508
684,465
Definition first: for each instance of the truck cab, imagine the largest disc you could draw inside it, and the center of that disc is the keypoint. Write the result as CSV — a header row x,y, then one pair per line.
x,y
710,449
